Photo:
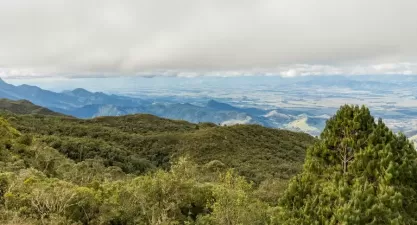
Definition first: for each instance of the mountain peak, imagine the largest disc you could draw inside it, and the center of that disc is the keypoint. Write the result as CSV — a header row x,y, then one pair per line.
x,y
80,92
24,106
219,105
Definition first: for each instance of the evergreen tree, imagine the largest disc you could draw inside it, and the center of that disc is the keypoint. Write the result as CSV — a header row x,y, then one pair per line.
x,y
359,172
6,131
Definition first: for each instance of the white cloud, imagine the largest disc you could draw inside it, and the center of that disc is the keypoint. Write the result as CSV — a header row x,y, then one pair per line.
x,y
236,121
403,68
289,73
198,37
308,70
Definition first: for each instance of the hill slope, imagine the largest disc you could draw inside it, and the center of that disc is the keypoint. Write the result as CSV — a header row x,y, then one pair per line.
x,y
25,107
78,179
138,143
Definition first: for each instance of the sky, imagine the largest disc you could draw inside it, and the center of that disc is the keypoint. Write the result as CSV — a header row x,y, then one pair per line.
x,y
189,38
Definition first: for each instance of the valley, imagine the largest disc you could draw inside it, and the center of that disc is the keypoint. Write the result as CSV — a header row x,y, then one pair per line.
x,y
299,103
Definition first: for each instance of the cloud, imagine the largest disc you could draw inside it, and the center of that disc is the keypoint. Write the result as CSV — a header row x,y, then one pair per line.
x,y
283,71
401,68
396,68
196,37
237,121
308,70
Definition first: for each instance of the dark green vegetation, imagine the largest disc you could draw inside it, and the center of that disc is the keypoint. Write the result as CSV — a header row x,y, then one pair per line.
x,y
130,170
25,107
358,173
139,143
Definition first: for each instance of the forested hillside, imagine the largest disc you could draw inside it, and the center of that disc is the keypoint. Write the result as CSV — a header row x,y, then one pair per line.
x,y
139,143
25,107
142,169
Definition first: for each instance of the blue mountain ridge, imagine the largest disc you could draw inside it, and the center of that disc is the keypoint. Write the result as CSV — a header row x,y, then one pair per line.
x,y
82,103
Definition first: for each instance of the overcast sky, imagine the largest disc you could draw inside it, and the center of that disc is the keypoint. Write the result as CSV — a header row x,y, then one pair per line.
x,y
212,37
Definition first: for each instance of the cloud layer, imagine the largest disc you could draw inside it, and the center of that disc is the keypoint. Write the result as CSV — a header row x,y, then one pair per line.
x,y
198,37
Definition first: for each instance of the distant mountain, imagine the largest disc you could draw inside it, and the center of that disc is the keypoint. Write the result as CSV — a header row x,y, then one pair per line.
x,y
212,104
184,111
302,124
79,92
309,124
277,115
67,100
82,103
36,95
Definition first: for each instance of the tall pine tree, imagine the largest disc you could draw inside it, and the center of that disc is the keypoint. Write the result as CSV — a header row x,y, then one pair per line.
x,y
359,172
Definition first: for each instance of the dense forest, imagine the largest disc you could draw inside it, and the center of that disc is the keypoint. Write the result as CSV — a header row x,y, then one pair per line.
x,y
141,169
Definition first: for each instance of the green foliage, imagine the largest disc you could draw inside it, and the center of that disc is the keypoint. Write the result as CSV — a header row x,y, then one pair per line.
x,y
60,170
6,131
41,185
140,143
25,107
182,195
233,203
358,173
130,170
160,198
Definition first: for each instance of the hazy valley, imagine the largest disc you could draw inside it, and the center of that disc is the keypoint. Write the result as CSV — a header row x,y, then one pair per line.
x,y
300,103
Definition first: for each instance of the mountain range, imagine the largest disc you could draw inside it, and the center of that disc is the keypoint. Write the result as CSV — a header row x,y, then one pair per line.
x,y
82,103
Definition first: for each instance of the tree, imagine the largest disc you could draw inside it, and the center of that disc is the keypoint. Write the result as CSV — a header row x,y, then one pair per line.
x,y
359,172
162,197
233,203
6,131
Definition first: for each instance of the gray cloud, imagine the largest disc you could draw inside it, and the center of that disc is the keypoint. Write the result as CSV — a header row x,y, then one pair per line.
x,y
196,37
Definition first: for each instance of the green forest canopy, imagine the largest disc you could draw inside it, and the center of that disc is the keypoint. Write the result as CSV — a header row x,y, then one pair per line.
x,y
130,170
139,143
